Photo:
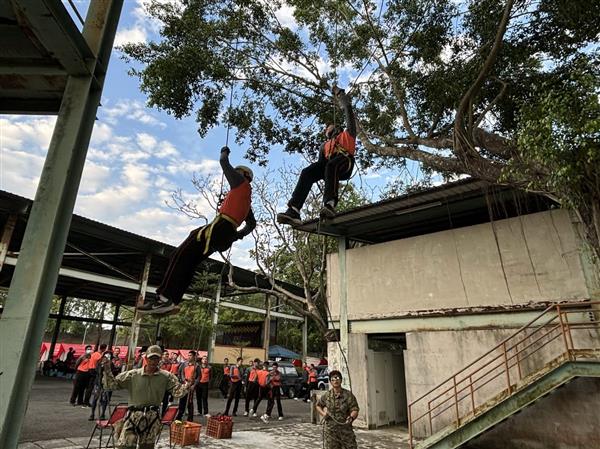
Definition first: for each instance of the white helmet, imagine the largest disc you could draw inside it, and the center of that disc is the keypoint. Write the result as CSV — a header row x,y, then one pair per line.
x,y
245,171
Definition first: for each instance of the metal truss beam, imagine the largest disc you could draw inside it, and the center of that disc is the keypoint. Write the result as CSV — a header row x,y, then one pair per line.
x,y
129,285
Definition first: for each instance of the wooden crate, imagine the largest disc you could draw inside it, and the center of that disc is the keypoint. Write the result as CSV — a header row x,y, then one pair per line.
x,y
185,433
219,429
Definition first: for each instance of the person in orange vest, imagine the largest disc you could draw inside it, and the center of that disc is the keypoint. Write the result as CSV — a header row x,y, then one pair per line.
x,y
224,384
313,383
202,387
251,386
236,373
92,371
82,377
188,372
174,363
264,386
218,235
275,394
335,163
116,362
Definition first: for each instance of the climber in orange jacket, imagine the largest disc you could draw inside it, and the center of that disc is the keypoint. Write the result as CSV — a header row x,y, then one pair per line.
x,y
335,163
218,235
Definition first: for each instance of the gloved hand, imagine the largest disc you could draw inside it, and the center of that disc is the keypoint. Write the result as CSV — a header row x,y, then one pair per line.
x,y
226,150
335,90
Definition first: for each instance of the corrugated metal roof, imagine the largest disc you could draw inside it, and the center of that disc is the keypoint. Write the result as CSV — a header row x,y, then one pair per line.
x,y
461,203
120,249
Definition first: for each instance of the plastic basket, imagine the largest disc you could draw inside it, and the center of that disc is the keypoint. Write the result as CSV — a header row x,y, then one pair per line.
x,y
185,433
219,429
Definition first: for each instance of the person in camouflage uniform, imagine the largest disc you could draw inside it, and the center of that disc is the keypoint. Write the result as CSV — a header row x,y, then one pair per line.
x,y
339,409
146,386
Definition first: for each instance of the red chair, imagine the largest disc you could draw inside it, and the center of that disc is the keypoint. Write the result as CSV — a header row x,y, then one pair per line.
x,y
117,414
167,419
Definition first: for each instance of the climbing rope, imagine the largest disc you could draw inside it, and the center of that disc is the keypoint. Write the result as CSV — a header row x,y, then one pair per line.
x,y
221,196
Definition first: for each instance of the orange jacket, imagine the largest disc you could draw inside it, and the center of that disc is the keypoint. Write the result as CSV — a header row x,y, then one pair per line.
x,y
235,374
262,377
275,378
237,202
312,376
343,140
253,374
204,374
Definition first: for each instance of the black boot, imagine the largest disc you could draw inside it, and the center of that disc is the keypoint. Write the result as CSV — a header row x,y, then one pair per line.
x,y
290,216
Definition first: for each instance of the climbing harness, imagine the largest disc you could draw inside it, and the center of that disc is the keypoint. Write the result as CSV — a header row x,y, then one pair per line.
x,y
144,423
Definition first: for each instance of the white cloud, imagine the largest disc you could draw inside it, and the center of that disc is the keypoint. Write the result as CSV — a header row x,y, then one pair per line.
x,y
134,35
20,171
130,110
285,15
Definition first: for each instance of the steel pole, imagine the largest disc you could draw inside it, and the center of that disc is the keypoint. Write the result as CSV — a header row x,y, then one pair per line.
x,y
30,294
215,320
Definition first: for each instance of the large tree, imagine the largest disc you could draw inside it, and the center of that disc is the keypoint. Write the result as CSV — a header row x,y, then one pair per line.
x,y
503,90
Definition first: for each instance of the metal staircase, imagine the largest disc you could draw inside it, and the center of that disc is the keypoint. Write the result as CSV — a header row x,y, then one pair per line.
x,y
562,343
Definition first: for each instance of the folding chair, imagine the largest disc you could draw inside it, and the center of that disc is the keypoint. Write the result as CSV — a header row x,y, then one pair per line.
x,y
167,419
117,414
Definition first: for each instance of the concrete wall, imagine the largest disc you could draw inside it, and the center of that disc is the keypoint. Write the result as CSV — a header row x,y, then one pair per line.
x,y
377,381
568,418
433,357
515,261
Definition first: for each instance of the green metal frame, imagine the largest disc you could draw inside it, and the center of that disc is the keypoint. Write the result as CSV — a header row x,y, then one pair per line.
x,y
454,437
29,298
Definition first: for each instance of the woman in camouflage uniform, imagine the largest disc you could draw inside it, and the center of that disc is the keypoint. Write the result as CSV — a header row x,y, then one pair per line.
x,y
339,409
146,386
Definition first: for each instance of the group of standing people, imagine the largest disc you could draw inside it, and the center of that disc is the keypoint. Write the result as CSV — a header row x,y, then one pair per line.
x,y
87,382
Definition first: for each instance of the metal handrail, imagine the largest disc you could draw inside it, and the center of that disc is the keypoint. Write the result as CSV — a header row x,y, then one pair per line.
x,y
509,351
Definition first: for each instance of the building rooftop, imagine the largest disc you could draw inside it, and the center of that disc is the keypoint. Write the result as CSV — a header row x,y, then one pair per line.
x,y
96,252
462,203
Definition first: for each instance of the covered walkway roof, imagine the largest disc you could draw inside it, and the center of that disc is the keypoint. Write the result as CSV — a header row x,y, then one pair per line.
x,y
462,203
104,263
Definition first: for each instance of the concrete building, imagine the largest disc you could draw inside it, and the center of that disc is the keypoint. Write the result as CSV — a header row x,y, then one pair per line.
x,y
425,284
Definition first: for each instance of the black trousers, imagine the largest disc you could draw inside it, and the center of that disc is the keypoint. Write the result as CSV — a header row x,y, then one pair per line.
x,y
309,389
334,170
80,383
224,385
183,261
186,401
202,397
275,396
251,394
165,403
90,387
263,393
235,389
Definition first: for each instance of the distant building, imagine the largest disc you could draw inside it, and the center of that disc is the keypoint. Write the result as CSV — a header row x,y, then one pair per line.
x,y
424,284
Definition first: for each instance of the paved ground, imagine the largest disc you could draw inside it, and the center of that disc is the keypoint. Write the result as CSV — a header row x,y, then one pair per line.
x,y
287,436
52,423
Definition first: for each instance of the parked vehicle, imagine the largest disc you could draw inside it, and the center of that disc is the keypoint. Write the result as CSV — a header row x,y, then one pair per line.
x,y
323,377
291,381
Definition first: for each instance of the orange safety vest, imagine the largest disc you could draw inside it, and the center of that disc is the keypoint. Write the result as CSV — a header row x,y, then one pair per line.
x,y
166,367
204,374
252,375
262,377
189,372
226,371
343,142
237,202
275,378
174,368
235,376
96,356
84,366
312,376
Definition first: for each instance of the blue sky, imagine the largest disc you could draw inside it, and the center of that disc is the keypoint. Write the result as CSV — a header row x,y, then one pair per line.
x,y
137,157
